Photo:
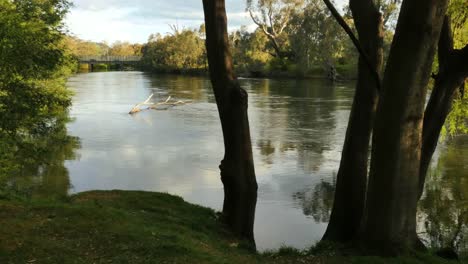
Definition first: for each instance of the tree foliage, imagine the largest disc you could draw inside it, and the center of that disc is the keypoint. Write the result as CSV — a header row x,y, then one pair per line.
x,y
273,17
183,50
317,39
78,47
31,33
457,120
124,48
293,38
33,69
250,50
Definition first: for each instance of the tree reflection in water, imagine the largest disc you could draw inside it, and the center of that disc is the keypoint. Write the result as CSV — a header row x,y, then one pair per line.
x,y
318,202
291,117
443,209
35,165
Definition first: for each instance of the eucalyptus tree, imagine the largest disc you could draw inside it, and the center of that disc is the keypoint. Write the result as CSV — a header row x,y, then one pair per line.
x,y
404,135
448,83
392,193
274,17
316,39
237,166
349,202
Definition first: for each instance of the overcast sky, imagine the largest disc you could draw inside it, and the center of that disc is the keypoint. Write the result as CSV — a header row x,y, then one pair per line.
x,y
135,20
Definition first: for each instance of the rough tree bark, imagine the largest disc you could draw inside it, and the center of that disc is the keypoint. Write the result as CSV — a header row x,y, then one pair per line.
x,y
237,166
453,69
348,206
389,224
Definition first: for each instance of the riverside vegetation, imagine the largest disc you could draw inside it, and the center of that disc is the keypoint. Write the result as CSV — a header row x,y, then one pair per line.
x,y
306,43
141,227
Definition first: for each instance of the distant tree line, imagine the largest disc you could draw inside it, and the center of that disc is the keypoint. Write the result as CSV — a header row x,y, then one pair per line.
x,y
306,43
79,47
292,39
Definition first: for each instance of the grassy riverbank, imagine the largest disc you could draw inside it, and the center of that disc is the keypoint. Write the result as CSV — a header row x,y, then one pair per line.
x,y
133,227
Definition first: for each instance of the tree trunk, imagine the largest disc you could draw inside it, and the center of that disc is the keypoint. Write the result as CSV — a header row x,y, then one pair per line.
x,y
348,206
389,224
274,43
453,69
237,167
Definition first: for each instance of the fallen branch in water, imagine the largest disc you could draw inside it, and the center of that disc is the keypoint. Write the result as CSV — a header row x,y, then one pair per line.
x,y
137,109
156,106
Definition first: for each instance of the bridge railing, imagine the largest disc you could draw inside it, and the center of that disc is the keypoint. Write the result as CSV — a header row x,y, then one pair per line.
x,y
109,58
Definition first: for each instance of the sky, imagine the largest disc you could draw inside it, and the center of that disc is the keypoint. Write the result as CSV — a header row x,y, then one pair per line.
x,y
135,20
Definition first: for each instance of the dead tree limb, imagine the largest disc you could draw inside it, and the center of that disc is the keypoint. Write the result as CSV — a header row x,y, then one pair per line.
x,y
155,106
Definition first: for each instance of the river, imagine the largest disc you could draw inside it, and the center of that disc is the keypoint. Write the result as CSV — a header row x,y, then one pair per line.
x,y
297,129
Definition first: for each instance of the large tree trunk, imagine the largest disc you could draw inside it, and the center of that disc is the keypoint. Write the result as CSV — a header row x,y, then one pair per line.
x,y
389,224
453,69
348,206
237,167
276,47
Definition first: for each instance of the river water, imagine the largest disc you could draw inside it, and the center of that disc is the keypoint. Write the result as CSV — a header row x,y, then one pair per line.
x,y
297,129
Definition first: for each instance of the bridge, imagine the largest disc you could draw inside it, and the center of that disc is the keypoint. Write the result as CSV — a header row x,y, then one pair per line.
x,y
109,59
120,61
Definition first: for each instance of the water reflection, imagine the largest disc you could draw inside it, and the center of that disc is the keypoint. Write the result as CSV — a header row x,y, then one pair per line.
x,y
297,130
40,160
194,88
444,206
318,202
442,211
292,117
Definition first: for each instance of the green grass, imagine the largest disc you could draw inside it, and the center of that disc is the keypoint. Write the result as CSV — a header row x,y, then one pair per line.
x,y
134,227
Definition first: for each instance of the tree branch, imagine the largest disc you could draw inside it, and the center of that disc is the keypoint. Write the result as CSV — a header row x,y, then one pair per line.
x,y
453,69
255,20
445,43
462,56
270,19
260,24
355,41
284,23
